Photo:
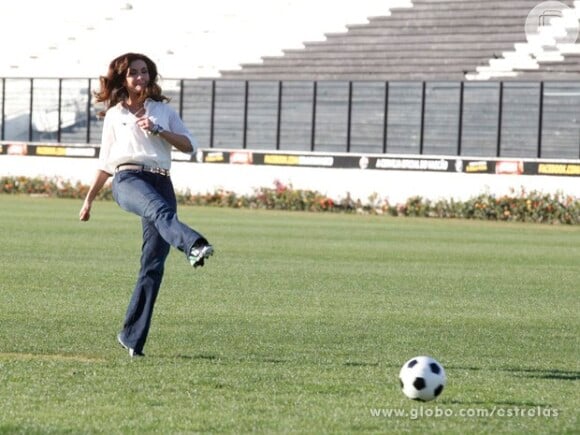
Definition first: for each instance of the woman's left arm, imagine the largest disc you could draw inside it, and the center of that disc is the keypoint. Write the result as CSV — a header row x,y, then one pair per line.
x,y
179,141
174,133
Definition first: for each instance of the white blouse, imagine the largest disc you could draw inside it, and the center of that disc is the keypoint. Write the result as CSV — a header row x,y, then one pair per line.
x,y
124,142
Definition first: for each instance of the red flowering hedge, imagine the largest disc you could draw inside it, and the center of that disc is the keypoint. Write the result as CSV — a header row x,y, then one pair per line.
x,y
518,206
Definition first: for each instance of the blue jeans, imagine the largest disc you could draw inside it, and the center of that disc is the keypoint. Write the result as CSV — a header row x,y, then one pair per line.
x,y
152,197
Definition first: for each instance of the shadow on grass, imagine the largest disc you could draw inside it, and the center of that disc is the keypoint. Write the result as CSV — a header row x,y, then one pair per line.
x,y
360,364
271,360
203,357
211,357
563,375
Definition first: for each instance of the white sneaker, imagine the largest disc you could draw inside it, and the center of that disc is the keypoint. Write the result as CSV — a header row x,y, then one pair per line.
x,y
199,253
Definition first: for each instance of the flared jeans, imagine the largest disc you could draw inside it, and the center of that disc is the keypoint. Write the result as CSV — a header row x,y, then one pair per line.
x,y
152,197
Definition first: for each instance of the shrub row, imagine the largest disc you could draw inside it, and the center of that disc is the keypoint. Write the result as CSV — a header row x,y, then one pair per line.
x,y
521,206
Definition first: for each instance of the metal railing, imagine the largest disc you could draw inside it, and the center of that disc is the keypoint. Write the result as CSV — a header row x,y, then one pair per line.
x,y
488,119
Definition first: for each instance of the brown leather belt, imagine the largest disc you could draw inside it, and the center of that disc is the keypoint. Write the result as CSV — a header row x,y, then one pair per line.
x,y
133,167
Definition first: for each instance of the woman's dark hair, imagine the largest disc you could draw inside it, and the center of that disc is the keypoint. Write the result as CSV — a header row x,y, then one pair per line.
x,y
113,84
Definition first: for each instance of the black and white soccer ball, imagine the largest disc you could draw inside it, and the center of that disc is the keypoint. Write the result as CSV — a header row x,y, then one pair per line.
x,y
422,378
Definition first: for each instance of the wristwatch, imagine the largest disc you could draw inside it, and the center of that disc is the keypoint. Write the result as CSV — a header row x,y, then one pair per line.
x,y
156,129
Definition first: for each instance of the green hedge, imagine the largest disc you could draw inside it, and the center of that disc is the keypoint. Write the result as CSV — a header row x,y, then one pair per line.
x,y
521,206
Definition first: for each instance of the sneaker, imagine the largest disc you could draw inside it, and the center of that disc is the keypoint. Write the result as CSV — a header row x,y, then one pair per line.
x,y
199,253
132,352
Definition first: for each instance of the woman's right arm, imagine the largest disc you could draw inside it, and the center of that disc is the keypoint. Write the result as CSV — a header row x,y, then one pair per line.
x,y
100,179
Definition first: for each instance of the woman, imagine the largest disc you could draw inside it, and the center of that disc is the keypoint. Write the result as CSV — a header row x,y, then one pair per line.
x,y
139,131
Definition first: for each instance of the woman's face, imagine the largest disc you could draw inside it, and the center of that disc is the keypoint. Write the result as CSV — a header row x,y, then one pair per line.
x,y
137,77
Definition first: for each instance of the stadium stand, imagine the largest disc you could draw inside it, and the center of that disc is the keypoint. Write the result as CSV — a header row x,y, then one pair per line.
x,y
433,77
433,40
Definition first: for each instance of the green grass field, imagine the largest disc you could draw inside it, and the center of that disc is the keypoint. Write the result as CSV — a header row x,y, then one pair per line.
x,y
299,324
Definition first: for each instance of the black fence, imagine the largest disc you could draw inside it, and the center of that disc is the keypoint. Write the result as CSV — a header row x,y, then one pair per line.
x,y
487,119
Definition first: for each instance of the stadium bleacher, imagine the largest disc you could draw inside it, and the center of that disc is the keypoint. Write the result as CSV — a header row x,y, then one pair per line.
x,y
439,77
367,39
433,40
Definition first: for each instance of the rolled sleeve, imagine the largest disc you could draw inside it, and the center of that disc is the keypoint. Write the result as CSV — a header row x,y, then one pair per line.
x,y
177,126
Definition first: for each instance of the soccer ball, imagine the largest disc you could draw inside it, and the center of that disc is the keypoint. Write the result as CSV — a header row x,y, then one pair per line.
x,y
422,378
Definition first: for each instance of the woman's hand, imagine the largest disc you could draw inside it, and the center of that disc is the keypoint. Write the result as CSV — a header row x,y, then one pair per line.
x,y
85,213
100,179
145,123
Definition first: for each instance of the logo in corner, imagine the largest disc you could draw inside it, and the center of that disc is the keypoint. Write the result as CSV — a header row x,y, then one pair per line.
x,y
551,23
